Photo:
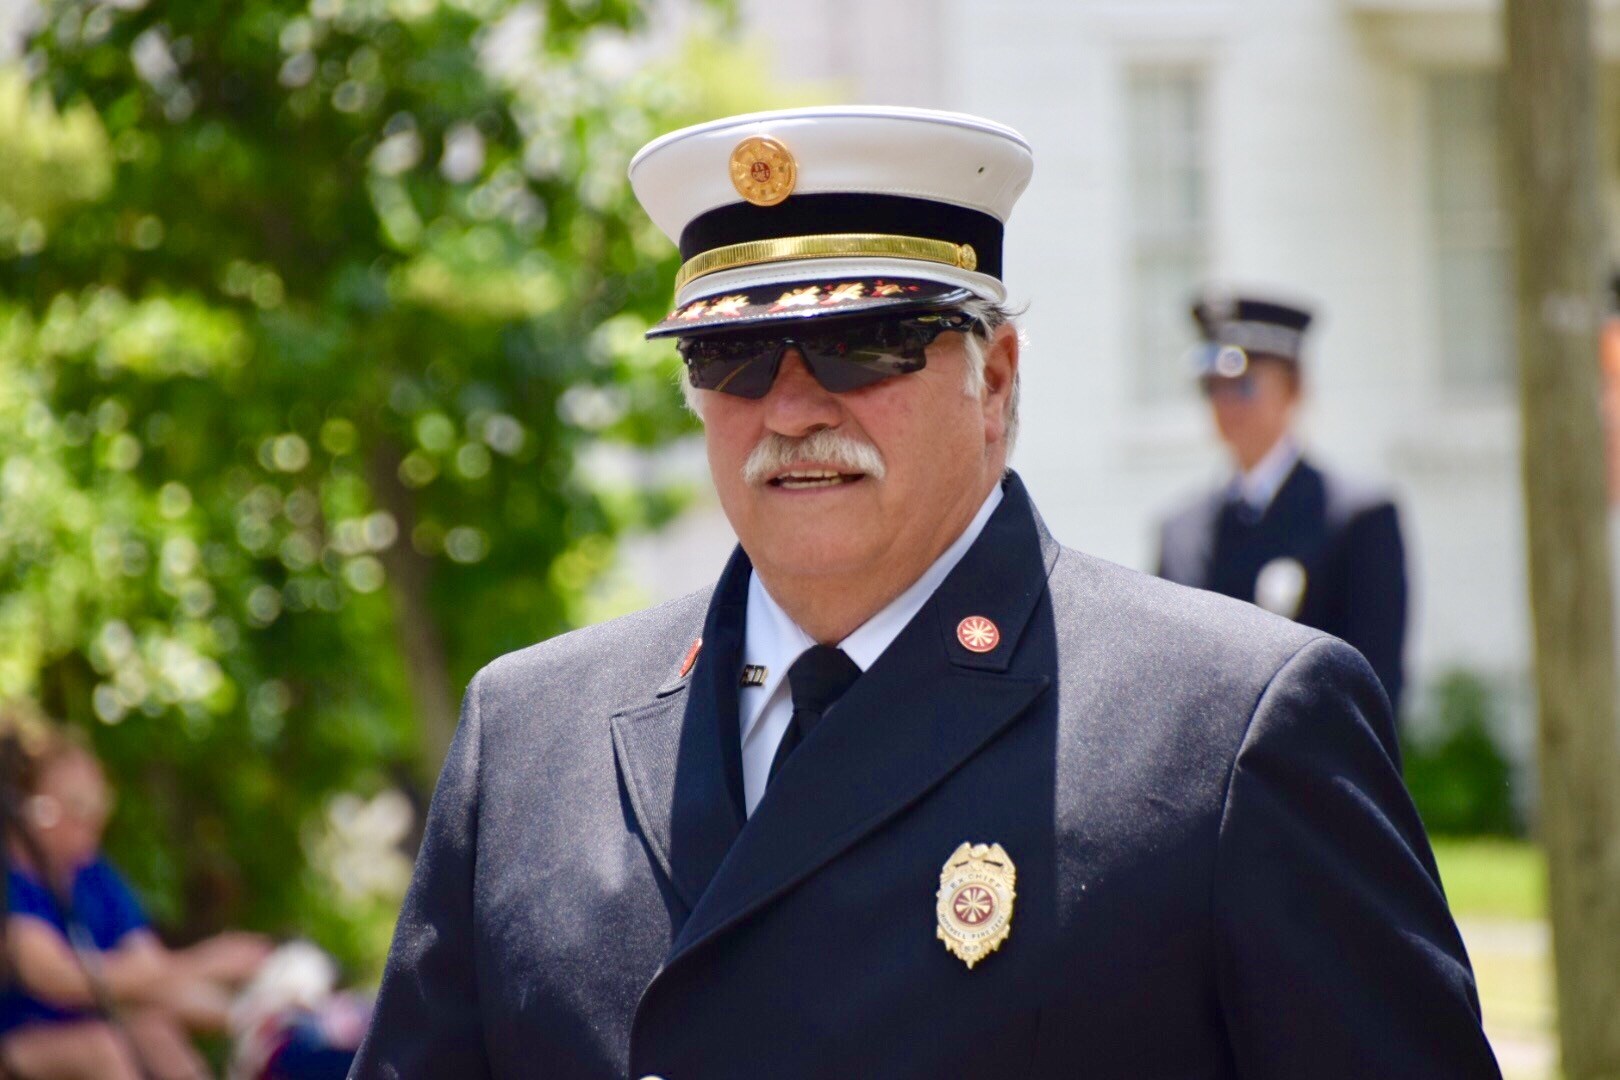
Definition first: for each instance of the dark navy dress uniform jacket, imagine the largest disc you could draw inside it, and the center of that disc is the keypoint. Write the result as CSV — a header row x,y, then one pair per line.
x,y
1347,538
1219,871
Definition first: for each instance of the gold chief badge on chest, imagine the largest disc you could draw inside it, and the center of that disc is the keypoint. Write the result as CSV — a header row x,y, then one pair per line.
x,y
975,901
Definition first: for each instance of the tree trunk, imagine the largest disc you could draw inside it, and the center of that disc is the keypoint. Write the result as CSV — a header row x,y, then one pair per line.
x,y
1553,178
427,665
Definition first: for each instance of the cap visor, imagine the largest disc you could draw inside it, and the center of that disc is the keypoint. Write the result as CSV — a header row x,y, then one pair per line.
x,y
743,309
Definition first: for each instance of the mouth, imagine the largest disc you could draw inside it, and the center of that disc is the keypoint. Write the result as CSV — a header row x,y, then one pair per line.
x,y
811,479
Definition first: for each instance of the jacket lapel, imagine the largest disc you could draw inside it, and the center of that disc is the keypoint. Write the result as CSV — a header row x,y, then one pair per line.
x,y
680,755
923,709
1293,495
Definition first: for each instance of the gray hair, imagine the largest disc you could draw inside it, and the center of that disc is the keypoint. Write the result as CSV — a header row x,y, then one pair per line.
x,y
975,346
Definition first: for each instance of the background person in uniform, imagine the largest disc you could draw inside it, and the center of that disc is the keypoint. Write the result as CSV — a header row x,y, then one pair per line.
x,y
1283,533
913,791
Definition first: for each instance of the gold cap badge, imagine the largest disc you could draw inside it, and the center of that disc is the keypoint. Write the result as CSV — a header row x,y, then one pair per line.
x,y
975,901
762,170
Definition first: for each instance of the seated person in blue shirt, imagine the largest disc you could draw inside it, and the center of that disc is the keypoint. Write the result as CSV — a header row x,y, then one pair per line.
x,y
54,1021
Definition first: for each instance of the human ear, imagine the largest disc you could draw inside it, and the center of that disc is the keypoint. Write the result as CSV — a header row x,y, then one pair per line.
x,y
1000,376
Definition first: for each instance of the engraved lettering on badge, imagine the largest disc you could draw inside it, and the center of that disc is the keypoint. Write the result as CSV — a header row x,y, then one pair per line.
x,y
974,904
754,674
1280,587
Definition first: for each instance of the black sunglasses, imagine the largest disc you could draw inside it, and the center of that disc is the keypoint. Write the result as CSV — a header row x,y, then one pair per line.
x,y
842,357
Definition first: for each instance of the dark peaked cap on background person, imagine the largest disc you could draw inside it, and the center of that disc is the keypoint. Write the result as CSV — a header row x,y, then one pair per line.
x,y
1259,327
831,212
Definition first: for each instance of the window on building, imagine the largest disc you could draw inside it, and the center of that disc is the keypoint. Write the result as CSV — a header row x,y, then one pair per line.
x,y
1166,128
1473,254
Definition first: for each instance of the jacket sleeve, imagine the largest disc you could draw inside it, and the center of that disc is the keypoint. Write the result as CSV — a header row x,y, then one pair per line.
x,y
1336,953
427,1020
1375,616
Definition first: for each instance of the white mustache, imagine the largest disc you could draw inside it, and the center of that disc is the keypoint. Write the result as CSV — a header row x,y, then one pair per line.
x,y
829,446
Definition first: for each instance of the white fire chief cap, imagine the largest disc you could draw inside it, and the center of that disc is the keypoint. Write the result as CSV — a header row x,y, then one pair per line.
x,y
831,211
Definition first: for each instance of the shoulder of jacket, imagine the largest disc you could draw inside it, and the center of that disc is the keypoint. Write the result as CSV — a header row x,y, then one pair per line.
x,y
1348,497
1149,615
657,635
1193,510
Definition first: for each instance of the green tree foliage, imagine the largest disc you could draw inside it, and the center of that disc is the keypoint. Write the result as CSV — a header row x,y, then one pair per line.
x,y
308,312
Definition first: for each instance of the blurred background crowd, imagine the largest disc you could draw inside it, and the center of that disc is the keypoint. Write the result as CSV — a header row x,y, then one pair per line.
x,y
322,380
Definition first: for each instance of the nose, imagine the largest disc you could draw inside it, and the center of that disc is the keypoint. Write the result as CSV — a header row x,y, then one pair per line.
x,y
797,404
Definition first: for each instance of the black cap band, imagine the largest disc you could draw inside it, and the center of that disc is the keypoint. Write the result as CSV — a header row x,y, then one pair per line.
x,y
815,215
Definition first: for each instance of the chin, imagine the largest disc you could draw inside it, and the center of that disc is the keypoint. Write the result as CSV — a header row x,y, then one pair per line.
x,y
811,556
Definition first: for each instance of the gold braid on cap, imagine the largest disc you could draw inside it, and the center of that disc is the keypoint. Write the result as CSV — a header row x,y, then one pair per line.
x,y
831,246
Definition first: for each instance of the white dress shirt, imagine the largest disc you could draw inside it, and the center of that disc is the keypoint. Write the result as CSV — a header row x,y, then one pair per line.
x,y
773,641
1260,485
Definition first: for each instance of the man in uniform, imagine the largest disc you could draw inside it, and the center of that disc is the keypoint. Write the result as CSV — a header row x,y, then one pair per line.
x,y
913,791
1282,533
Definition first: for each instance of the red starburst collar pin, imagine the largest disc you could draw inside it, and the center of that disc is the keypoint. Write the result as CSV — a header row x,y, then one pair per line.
x,y
691,658
978,634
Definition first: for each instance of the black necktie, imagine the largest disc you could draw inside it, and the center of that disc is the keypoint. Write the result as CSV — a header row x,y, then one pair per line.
x,y
817,678
1243,512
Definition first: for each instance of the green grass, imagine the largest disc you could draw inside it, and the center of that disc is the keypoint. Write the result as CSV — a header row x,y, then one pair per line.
x,y
1498,893
1492,879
